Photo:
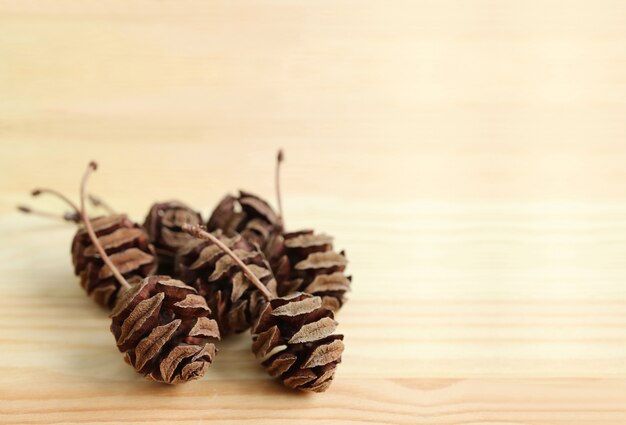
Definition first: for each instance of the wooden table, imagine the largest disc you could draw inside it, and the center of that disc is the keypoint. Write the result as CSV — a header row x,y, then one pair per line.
x,y
468,155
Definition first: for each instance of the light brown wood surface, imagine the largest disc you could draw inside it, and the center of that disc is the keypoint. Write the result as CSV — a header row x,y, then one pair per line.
x,y
468,155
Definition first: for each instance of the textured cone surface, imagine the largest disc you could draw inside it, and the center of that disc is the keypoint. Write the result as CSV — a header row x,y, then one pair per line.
x,y
247,215
294,340
306,262
129,248
164,226
162,327
233,299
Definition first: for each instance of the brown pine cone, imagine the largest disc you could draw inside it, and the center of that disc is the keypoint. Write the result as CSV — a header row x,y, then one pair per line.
x,y
294,341
247,215
235,302
306,262
162,327
127,245
164,226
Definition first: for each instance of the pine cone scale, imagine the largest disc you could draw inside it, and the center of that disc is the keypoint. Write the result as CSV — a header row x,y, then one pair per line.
x,y
334,282
237,315
148,347
208,254
179,216
314,331
325,354
102,294
299,378
259,226
205,327
240,285
142,317
126,261
172,238
226,265
257,206
224,216
307,239
101,224
266,341
322,260
191,371
127,296
191,306
177,355
115,241
280,364
297,308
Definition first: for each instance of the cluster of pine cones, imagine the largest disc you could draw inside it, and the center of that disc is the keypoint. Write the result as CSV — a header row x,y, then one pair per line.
x,y
186,291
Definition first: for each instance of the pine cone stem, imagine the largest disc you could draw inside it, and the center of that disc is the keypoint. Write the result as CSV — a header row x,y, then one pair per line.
x,y
279,159
74,216
99,203
197,232
59,195
94,239
68,216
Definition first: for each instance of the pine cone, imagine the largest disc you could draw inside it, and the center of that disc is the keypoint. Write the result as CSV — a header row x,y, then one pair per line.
x,y
162,327
164,226
234,300
127,245
305,262
247,215
294,340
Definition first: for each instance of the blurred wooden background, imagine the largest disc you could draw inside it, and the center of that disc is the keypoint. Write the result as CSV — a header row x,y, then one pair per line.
x,y
468,155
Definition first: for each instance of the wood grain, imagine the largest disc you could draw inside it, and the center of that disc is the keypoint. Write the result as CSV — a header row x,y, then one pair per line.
x,y
468,155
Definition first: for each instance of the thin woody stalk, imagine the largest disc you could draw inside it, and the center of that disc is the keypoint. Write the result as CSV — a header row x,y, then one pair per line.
x,y
197,232
98,202
94,239
58,194
68,216
279,160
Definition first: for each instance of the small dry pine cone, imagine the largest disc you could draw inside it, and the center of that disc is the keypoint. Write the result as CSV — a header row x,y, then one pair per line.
x,y
164,226
162,327
294,341
247,215
306,262
128,246
234,300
